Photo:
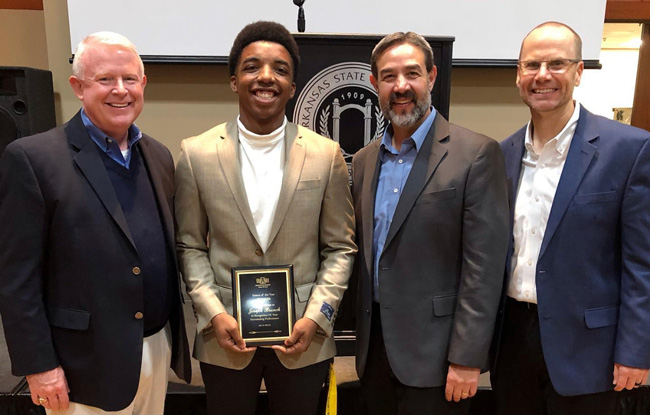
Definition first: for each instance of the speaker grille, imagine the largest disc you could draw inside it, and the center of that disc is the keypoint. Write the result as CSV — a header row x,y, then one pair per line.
x,y
26,103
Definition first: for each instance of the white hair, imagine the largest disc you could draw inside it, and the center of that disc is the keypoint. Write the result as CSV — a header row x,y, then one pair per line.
x,y
103,38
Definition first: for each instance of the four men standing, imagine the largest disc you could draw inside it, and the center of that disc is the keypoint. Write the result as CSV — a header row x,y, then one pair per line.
x,y
431,202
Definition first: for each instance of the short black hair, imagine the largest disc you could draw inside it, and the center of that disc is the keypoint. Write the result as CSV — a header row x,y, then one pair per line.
x,y
265,32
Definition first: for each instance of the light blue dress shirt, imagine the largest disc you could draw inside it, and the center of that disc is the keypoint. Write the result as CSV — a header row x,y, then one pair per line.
x,y
108,144
394,171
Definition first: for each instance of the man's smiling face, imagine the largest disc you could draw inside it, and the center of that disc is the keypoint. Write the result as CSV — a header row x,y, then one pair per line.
x,y
111,88
264,83
545,91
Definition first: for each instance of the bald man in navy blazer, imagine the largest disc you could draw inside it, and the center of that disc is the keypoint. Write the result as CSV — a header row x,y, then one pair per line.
x,y
574,324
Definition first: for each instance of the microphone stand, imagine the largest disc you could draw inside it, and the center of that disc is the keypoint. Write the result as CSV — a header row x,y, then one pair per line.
x,y
301,15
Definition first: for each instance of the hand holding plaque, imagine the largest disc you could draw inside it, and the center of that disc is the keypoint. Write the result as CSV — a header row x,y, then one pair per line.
x,y
301,337
263,303
226,330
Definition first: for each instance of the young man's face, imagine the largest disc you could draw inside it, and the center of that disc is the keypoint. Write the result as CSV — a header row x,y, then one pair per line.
x,y
263,81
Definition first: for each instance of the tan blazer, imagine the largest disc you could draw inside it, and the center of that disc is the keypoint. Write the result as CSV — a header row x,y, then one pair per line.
x,y
313,229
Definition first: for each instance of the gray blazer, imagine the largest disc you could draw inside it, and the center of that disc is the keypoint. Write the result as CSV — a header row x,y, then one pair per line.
x,y
441,271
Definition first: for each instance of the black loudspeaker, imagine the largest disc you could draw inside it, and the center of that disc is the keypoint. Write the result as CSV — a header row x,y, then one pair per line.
x,y
26,103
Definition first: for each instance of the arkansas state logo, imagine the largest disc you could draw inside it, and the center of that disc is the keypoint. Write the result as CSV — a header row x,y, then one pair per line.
x,y
340,103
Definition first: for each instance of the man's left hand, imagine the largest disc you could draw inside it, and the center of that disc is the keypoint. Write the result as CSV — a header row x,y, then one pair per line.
x,y
627,377
301,337
462,382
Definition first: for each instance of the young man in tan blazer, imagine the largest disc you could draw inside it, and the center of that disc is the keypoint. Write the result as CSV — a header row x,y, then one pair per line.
x,y
262,191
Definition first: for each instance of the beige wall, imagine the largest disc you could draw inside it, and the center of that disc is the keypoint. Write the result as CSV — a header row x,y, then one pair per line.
x,y
22,38
183,100
486,100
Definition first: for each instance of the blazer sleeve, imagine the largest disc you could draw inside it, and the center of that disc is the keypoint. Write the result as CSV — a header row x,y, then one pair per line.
x,y
633,337
191,242
485,242
336,243
23,241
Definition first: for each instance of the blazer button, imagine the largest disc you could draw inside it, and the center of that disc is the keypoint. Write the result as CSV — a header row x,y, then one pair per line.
x,y
259,252
139,315
136,270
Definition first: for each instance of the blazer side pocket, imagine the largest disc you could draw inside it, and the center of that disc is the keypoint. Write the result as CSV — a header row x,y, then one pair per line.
x,y
444,305
601,317
67,318
435,196
582,199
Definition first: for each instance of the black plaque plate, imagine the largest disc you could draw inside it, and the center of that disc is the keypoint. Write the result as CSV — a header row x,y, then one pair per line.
x,y
263,303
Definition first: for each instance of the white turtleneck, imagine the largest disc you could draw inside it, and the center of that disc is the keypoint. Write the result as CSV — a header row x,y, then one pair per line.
x,y
262,167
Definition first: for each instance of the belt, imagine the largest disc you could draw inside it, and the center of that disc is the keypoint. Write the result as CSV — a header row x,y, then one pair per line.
x,y
522,305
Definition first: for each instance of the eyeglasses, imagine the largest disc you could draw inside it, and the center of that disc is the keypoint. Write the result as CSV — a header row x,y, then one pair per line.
x,y
558,65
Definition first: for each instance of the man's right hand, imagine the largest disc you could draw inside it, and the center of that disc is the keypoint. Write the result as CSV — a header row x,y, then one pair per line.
x,y
49,389
227,332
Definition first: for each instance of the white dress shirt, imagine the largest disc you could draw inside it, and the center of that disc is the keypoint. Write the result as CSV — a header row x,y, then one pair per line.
x,y
540,175
262,168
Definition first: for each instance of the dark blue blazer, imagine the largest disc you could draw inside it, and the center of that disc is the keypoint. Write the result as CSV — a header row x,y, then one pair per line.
x,y
593,270
68,292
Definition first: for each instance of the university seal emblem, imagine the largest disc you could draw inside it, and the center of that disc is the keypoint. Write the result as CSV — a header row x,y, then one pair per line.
x,y
340,103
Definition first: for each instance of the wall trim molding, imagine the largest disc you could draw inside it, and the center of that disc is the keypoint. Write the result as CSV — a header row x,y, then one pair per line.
x,y
21,4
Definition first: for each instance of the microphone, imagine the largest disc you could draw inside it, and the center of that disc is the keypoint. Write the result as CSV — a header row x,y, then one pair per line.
x,y
301,15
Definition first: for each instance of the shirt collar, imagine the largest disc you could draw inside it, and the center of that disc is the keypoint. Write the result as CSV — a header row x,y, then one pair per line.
x,y
418,136
104,141
562,140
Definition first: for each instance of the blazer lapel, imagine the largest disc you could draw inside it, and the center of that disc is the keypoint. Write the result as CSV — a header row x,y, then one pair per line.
x,y
581,153
91,165
228,151
368,192
426,162
295,154
513,153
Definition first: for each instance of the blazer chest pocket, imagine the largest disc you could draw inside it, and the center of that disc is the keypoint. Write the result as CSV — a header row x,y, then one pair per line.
x,y
436,196
444,305
309,184
67,318
601,317
583,199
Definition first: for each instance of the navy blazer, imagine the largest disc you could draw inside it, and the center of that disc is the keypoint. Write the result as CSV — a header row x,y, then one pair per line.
x,y
593,270
68,291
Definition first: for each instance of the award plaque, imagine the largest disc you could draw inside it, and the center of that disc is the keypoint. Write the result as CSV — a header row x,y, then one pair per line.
x,y
263,303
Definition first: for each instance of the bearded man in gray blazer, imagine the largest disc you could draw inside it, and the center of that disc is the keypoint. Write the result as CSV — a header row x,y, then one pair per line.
x,y
262,191
431,205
